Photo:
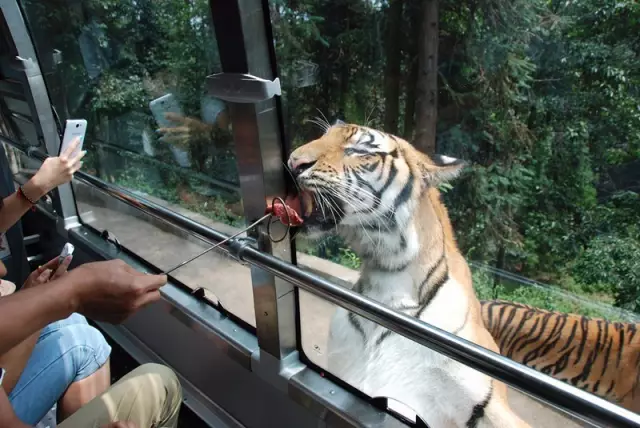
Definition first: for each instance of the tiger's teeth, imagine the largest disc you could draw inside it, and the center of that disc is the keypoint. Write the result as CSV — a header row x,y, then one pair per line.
x,y
308,204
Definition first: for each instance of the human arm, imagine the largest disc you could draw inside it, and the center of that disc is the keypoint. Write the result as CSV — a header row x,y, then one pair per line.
x,y
53,172
8,418
15,360
27,311
104,291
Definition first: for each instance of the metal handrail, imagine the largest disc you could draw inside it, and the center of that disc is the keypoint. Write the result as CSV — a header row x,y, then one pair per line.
x,y
529,381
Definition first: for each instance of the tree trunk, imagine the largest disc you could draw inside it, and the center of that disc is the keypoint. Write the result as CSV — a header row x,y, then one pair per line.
x,y
427,84
392,67
410,106
344,93
412,15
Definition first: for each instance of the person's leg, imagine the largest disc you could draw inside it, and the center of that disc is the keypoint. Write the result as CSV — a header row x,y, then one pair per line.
x,y
150,396
67,351
80,392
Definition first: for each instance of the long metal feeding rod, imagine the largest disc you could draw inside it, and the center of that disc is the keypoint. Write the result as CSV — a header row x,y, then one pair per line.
x,y
251,226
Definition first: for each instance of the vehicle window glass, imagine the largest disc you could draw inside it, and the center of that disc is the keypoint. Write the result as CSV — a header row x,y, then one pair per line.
x,y
22,166
17,116
540,101
136,72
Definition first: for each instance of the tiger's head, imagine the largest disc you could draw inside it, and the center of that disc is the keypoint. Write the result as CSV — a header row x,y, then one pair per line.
x,y
361,181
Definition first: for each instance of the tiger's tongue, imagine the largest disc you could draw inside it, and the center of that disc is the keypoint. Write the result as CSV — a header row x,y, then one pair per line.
x,y
295,203
301,203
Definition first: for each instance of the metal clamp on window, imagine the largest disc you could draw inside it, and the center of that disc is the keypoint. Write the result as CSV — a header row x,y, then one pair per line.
x,y
112,239
237,246
22,64
242,88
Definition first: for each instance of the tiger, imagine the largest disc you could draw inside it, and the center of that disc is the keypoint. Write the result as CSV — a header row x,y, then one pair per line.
x,y
379,193
596,355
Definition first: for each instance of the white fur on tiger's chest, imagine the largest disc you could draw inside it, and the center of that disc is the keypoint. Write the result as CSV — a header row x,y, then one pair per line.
x,y
398,368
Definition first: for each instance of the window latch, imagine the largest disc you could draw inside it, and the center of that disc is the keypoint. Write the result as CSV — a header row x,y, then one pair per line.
x,y
242,88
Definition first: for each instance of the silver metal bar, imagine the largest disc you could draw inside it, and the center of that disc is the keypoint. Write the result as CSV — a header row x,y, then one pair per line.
x,y
37,97
550,390
243,47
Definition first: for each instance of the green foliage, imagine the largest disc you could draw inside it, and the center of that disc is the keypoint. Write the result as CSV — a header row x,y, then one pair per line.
x,y
331,248
488,287
612,264
117,95
540,97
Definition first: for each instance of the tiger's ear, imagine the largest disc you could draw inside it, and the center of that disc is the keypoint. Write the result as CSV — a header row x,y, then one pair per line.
x,y
338,122
441,169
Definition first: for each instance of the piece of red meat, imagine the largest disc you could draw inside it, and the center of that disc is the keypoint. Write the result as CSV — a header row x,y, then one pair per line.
x,y
285,213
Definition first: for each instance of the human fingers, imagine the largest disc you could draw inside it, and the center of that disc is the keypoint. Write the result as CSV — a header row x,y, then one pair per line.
x,y
33,276
147,298
77,158
62,268
149,282
136,273
174,130
44,277
51,264
71,148
76,167
130,269
177,140
174,117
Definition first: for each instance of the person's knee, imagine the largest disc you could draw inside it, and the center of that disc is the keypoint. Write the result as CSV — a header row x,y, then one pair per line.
x,y
90,349
163,377
73,319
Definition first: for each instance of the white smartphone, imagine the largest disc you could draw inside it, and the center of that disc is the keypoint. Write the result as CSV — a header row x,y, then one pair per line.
x,y
169,104
67,251
165,104
74,128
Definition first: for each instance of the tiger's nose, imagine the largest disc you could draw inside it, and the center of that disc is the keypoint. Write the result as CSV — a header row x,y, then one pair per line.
x,y
300,165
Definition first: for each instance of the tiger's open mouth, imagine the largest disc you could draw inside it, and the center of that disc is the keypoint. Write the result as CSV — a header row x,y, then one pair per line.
x,y
317,208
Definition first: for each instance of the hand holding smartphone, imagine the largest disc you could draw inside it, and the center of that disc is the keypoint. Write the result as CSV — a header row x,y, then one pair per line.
x,y
51,270
67,251
159,108
74,128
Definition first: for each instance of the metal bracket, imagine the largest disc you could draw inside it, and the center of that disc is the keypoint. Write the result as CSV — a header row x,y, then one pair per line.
x,y
237,246
275,371
22,64
242,88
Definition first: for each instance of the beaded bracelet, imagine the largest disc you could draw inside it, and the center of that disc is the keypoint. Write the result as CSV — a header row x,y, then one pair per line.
x,y
24,195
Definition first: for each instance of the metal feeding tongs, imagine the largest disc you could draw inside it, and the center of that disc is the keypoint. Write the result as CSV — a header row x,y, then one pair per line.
x,y
251,226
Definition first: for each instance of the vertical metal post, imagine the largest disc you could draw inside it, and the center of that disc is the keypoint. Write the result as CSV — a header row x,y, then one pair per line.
x,y
244,48
38,98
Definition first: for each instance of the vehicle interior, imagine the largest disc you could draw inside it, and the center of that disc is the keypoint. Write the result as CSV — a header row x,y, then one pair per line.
x,y
245,325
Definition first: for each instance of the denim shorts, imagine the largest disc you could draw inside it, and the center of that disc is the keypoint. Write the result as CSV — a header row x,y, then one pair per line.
x,y
67,351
